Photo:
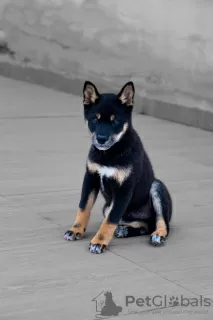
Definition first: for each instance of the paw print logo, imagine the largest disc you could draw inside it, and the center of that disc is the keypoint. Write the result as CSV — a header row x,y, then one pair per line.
x,y
173,301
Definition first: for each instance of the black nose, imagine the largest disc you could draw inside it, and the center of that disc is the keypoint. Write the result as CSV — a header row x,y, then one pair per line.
x,y
101,138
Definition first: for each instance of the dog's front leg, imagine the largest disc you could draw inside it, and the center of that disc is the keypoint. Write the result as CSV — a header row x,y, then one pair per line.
x,y
90,189
106,231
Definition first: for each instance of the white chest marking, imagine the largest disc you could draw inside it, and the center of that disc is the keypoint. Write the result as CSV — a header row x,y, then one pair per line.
x,y
119,174
107,172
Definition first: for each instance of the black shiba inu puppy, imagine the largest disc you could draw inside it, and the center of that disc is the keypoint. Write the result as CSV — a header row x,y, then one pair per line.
x,y
136,202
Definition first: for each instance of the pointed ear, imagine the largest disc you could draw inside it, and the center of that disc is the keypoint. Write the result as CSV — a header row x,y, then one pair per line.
x,y
126,95
90,93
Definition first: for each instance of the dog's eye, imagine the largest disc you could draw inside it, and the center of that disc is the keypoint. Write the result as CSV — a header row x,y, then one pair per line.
x,y
115,122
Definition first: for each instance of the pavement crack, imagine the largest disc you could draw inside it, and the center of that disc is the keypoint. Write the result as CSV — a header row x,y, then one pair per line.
x,y
154,272
71,191
40,117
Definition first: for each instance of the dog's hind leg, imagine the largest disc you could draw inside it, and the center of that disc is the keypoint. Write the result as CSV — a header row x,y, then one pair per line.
x,y
131,229
135,223
162,209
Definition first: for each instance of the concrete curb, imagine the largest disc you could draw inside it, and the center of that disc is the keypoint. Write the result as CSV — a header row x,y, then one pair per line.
x,y
194,117
46,78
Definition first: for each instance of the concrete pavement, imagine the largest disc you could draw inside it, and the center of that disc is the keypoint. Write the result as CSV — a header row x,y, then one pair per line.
x,y
43,147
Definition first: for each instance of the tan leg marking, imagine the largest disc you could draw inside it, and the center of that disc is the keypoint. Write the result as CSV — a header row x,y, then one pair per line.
x,y
160,228
135,224
104,234
82,217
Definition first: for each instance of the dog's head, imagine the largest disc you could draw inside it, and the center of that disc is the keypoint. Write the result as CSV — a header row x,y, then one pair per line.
x,y
108,115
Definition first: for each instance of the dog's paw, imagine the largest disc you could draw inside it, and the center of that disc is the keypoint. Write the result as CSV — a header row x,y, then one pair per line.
x,y
97,248
127,232
121,232
72,236
157,240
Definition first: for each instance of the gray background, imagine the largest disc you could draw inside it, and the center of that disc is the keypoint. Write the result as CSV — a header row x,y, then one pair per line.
x,y
165,47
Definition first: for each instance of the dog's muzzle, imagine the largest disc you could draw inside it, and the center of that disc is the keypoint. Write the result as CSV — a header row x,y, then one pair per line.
x,y
102,142
101,139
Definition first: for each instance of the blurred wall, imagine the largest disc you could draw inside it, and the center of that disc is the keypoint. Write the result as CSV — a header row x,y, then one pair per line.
x,y
165,46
